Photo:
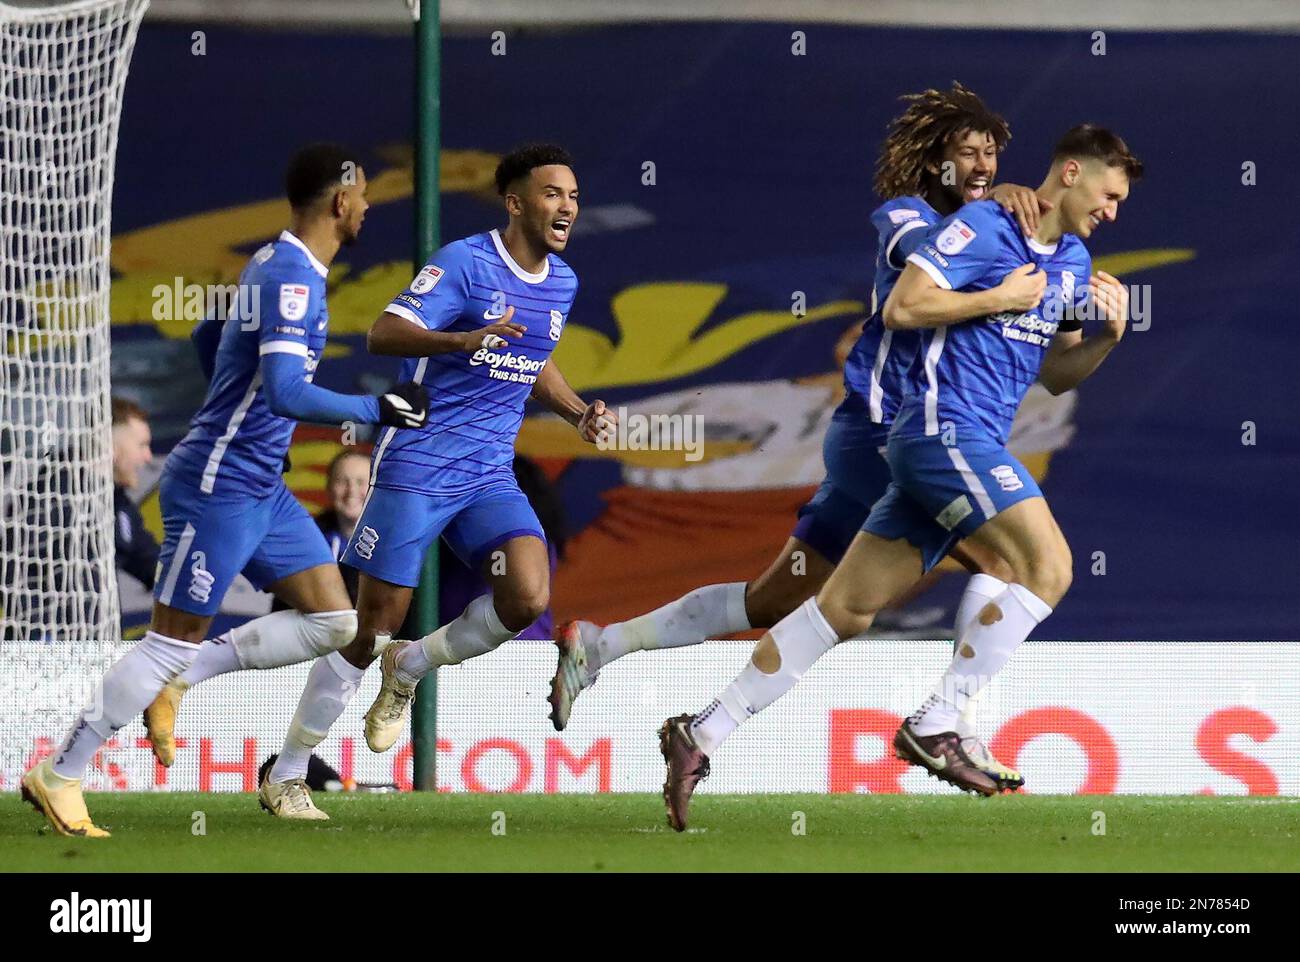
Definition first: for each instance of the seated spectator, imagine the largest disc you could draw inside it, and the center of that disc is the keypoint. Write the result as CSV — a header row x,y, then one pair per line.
x,y
347,480
137,550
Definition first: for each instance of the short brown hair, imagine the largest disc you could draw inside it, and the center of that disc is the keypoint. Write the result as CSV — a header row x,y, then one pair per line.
x,y
124,410
1089,140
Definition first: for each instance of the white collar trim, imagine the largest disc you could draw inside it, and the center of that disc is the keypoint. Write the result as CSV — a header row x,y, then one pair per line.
x,y
1040,248
515,269
290,238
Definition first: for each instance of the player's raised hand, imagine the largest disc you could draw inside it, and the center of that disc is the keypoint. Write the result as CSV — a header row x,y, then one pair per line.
x,y
1022,289
404,406
495,334
1111,298
1023,202
597,423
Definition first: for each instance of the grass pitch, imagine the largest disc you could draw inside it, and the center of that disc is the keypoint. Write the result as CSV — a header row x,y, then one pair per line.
x,y
618,833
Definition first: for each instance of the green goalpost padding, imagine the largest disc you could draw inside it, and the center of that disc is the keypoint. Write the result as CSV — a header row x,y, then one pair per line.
x,y
428,147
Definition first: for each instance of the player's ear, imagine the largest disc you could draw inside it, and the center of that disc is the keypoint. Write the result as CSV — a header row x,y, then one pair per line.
x,y
514,206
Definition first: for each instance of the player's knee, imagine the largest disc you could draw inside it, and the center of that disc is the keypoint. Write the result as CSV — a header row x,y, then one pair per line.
x,y
997,567
1052,575
520,608
766,603
331,630
848,615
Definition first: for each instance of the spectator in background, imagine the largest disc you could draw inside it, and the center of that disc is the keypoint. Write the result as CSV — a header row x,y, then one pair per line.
x,y
347,479
137,550
460,585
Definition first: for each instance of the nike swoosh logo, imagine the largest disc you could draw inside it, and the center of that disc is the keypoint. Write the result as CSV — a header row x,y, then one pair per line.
x,y
489,316
936,761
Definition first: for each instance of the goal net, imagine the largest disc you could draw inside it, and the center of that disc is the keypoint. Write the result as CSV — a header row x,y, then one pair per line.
x,y
62,72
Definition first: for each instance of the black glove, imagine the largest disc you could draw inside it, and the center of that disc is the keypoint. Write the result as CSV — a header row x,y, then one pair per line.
x,y
404,406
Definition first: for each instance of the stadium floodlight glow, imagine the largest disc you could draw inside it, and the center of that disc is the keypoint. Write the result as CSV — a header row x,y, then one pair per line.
x,y
63,68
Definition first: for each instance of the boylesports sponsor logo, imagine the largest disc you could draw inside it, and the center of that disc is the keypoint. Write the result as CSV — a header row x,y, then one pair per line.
x,y
1029,328
507,365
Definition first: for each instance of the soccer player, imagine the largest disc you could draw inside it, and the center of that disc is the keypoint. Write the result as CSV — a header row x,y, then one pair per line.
x,y
942,152
477,326
952,475
225,507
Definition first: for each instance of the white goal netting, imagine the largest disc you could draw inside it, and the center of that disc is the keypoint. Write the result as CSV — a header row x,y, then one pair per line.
x,y
63,68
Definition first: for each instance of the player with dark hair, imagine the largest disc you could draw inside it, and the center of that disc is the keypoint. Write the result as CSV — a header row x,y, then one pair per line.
x,y
225,506
952,476
940,153
476,326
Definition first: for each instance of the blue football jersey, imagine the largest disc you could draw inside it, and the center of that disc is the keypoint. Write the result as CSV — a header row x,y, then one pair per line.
x,y
476,401
879,360
976,372
236,443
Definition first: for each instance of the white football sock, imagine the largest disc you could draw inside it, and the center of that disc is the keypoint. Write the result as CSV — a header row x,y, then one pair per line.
x,y
272,641
127,688
704,613
801,638
332,682
477,631
983,648
980,590
216,657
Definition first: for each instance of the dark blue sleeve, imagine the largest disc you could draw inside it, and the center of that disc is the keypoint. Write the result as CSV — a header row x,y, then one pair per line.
x,y
290,395
900,224
206,338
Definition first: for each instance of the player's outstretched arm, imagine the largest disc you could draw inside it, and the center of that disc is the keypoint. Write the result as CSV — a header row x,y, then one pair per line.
x,y
290,395
918,301
593,420
395,336
1073,357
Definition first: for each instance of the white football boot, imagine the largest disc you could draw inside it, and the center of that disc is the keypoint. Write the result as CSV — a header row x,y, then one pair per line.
x,y
289,800
384,720
572,675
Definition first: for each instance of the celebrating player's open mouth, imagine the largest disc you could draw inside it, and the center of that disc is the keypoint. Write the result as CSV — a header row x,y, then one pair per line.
x,y
977,188
1104,191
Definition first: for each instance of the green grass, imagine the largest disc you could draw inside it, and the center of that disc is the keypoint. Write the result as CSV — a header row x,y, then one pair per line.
x,y
152,832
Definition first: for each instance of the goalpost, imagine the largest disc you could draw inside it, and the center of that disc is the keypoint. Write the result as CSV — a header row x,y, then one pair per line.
x,y
428,196
63,68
